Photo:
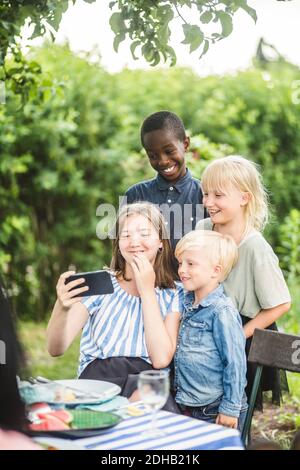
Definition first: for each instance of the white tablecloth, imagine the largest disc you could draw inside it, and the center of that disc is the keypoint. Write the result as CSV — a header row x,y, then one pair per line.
x,y
182,433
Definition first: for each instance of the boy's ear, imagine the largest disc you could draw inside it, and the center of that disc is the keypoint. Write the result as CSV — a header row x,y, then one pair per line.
x,y
186,143
217,270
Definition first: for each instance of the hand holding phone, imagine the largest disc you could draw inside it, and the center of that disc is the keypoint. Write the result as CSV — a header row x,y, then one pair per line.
x,y
98,282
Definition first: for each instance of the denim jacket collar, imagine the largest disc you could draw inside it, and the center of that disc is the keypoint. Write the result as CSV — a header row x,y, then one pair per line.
x,y
163,184
208,300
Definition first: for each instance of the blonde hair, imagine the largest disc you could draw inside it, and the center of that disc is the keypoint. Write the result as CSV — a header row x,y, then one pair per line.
x,y
243,174
220,249
164,268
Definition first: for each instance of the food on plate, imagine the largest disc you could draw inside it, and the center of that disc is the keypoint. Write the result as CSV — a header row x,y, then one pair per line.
x,y
134,411
49,423
44,418
41,407
64,394
62,415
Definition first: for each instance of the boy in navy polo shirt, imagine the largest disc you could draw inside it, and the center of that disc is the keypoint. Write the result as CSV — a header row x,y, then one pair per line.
x,y
174,190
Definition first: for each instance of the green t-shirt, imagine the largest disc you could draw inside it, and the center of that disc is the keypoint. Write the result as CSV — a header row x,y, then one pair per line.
x,y
256,282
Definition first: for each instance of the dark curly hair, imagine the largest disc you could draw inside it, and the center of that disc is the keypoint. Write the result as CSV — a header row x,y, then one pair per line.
x,y
163,120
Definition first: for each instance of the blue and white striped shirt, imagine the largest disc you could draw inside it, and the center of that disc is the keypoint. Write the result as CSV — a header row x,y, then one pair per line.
x,y
115,325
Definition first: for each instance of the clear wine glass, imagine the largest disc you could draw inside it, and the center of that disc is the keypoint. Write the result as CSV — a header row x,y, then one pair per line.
x,y
154,389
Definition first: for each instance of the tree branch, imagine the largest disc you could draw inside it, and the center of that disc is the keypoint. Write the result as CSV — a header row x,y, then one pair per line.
x,y
179,14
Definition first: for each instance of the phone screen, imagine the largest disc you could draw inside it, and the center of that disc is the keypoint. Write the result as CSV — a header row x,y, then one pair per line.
x,y
99,283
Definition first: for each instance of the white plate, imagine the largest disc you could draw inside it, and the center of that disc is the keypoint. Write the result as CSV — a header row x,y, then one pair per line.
x,y
105,391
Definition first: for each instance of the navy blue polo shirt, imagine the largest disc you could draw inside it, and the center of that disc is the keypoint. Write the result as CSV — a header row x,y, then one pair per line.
x,y
180,203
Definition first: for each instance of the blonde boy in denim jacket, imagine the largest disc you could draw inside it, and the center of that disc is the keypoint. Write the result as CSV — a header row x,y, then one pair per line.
x,y
210,360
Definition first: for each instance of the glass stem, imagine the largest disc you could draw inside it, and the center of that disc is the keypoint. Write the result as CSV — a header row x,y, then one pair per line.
x,y
153,420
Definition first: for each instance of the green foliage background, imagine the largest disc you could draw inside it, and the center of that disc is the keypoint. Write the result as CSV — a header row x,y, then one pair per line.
x,y
75,145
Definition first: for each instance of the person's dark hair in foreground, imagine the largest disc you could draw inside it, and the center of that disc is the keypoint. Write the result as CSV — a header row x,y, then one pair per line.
x,y
12,411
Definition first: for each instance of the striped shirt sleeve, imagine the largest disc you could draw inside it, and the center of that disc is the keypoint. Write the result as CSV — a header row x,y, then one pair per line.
x,y
176,303
92,303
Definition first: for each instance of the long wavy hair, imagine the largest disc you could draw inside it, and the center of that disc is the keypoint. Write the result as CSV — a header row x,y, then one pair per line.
x,y
164,268
244,175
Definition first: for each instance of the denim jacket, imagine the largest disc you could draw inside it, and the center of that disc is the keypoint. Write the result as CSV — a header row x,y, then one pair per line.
x,y
210,360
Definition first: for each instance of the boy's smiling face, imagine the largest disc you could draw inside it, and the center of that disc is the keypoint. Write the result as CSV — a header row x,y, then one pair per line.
x,y
166,153
197,272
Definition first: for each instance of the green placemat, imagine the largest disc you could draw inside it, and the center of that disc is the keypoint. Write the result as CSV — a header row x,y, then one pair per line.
x,y
88,419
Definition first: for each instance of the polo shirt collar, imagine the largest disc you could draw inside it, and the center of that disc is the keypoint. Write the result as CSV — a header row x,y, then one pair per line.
x,y
163,184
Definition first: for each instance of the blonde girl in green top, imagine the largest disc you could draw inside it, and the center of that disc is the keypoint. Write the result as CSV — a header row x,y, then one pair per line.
x,y
235,198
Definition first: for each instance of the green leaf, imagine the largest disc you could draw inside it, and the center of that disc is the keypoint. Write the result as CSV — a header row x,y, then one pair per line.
x,y
52,36
133,47
14,70
118,39
156,59
35,67
226,22
55,20
47,95
65,5
244,5
117,23
205,48
165,55
38,31
17,54
47,180
2,73
148,52
18,223
163,34
206,17
172,55
193,36
167,14
187,2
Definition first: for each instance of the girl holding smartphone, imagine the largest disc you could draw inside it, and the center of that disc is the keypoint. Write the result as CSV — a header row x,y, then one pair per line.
x,y
135,328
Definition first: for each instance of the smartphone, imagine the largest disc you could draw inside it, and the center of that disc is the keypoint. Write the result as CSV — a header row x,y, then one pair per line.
x,y
99,283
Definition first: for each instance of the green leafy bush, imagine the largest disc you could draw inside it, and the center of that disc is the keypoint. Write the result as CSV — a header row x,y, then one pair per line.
x,y
76,145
